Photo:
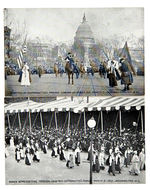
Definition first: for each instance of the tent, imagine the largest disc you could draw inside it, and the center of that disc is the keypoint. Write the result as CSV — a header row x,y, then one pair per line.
x,y
77,105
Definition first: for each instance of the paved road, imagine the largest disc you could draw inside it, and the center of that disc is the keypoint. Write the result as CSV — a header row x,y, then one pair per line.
x,y
49,85
53,171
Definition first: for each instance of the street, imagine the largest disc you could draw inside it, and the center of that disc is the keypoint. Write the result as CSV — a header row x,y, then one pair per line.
x,y
50,85
53,171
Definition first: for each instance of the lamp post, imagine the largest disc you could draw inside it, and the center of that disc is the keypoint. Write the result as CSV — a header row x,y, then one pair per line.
x,y
91,124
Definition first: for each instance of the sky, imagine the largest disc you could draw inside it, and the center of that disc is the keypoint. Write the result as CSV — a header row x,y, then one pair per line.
x,y
60,25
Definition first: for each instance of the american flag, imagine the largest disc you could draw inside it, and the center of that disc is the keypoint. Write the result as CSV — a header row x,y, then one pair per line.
x,y
20,59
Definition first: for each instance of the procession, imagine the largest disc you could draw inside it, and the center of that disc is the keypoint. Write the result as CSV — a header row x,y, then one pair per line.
x,y
66,138
85,67
112,154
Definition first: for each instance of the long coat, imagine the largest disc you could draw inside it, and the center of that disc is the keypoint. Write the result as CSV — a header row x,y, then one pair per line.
x,y
135,165
126,75
25,76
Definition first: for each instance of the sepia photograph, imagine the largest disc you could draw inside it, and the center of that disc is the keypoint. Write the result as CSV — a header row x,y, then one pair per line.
x,y
74,51
75,140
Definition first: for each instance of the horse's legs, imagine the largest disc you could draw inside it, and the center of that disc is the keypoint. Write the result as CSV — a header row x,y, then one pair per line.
x,y
72,78
68,78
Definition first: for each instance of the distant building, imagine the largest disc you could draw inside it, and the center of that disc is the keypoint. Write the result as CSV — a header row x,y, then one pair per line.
x,y
83,41
7,32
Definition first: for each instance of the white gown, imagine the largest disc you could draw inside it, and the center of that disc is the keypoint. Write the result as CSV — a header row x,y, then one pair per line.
x,y
25,76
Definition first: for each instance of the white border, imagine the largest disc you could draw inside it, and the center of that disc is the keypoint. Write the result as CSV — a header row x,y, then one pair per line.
x,y
77,4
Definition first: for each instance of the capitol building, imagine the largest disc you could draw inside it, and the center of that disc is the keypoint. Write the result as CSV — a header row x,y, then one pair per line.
x,y
83,41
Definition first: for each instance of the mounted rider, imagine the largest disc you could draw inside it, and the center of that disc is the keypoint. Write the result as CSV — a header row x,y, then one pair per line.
x,y
70,59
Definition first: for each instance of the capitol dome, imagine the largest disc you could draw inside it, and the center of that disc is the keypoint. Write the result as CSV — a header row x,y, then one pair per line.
x,y
84,33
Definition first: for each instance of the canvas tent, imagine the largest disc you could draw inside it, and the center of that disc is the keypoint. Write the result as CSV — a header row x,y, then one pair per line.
x,y
76,105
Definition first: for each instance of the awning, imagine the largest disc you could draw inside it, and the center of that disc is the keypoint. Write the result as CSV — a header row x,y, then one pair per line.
x,y
78,104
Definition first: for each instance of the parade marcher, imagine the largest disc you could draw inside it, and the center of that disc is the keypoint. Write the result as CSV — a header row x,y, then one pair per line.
x,y
54,151
27,156
62,153
6,151
21,151
77,156
111,168
58,149
117,162
113,74
142,159
25,76
134,169
102,159
17,153
127,157
89,151
45,146
97,165
12,146
126,73
131,153
36,156
40,71
70,160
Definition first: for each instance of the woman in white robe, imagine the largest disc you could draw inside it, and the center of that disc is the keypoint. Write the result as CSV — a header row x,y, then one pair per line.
x,y
102,159
12,146
134,169
25,81
142,159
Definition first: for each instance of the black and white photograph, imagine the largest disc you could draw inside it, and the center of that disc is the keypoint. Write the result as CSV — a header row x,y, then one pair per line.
x,y
75,140
76,52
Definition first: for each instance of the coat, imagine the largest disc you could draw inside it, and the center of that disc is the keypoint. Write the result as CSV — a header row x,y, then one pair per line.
x,y
25,76
135,165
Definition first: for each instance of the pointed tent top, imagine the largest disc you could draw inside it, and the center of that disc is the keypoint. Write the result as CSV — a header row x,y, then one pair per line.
x,y
84,19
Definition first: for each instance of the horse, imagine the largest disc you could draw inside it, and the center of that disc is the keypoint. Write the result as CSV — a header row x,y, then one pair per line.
x,y
58,70
82,70
70,70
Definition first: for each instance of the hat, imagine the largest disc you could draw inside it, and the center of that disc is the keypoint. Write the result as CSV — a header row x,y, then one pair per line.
x,y
121,59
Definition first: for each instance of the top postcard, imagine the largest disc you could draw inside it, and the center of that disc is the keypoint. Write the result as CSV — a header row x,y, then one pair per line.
x,y
74,52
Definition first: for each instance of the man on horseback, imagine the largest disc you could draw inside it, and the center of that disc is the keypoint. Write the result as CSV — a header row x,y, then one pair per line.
x,y
72,64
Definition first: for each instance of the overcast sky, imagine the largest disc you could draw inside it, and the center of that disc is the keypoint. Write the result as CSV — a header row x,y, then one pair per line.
x,y
60,25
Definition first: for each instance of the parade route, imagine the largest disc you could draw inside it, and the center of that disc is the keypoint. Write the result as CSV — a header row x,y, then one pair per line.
x,y
50,85
53,171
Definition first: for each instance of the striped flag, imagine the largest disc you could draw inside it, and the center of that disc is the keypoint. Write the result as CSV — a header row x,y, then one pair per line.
x,y
20,59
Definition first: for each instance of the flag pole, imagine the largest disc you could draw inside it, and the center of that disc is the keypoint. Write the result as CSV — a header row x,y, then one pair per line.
x,y
55,119
120,121
19,120
41,120
29,115
142,121
84,123
102,124
8,121
68,122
